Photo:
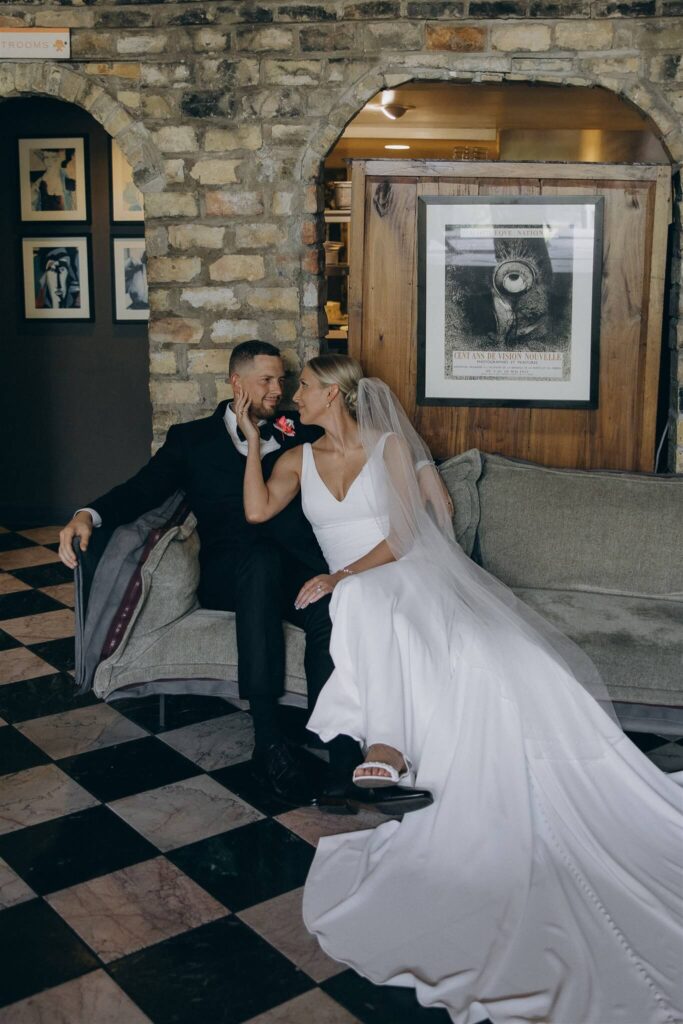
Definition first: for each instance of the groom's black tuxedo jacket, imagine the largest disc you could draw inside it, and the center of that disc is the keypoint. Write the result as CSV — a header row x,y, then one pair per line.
x,y
200,459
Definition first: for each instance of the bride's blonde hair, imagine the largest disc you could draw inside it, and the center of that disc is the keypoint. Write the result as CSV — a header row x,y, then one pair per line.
x,y
344,371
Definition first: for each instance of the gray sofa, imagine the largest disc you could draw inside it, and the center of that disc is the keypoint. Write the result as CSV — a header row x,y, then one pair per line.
x,y
600,554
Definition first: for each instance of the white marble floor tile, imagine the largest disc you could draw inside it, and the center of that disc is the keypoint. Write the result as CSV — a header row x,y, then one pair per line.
x,y
42,534
22,558
12,888
184,812
19,663
216,743
75,732
39,794
11,585
279,921
314,1007
36,629
91,999
312,824
63,592
136,907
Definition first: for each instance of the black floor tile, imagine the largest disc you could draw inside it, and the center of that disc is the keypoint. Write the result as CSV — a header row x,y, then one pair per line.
x,y
39,950
59,653
12,542
247,865
18,753
646,741
180,709
73,849
239,779
26,602
220,972
384,1004
45,575
668,757
7,641
115,772
46,695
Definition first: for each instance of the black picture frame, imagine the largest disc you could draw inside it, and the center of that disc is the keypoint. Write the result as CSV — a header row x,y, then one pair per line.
x,y
120,314
37,218
466,304
116,159
65,273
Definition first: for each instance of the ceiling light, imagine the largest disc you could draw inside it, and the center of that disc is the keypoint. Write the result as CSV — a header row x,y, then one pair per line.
x,y
397,146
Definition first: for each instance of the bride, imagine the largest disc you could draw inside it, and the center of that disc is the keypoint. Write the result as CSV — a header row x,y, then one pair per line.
x,y
545,881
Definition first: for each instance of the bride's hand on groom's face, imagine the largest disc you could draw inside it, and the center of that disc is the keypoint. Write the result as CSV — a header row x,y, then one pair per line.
x,y
316,588
241,406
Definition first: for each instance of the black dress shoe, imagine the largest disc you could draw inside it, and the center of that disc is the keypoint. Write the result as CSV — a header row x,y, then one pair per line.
x,y
346,798
281,776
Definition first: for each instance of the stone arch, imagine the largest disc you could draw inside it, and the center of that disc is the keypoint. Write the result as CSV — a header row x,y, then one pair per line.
x,y
46,78
620,80
630,87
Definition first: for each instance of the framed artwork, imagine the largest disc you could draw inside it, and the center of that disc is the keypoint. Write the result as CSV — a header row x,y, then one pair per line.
x,y
129,263
52,179
509,300
56,278
126,198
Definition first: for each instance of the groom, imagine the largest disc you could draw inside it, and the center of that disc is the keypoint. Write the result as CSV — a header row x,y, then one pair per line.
x,y
255,571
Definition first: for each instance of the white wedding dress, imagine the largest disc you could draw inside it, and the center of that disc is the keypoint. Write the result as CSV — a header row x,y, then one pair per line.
x,y
545,882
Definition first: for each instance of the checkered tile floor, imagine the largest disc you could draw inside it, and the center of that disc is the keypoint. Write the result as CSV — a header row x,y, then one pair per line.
x,y
142,875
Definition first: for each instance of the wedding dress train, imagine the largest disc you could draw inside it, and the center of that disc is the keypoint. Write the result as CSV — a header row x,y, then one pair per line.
x,y
545,882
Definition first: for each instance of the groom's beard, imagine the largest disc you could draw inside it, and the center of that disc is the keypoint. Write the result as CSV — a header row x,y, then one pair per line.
x,y
264,412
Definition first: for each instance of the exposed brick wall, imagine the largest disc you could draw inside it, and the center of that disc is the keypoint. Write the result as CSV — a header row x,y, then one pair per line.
x,y
226,110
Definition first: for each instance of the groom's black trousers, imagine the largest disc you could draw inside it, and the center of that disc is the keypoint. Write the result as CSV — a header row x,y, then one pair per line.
x,y
259,582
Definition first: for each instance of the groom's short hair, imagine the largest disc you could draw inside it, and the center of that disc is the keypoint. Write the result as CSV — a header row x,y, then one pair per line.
x,y
247,351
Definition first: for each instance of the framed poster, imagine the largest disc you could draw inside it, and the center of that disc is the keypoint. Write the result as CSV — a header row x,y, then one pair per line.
x,y
56,278
52,180
129,263
126,197
509,300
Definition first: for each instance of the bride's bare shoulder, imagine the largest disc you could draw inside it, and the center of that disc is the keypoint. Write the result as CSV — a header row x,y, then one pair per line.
x,y
291,460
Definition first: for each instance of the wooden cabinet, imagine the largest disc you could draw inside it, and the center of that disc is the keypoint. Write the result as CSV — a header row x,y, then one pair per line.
x,y
620,433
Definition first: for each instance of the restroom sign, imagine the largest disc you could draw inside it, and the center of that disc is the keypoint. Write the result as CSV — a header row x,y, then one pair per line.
x,y
34,43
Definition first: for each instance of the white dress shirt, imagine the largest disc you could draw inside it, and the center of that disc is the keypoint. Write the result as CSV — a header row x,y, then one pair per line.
x,y
230,420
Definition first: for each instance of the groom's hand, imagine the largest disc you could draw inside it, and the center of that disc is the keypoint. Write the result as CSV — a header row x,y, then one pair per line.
x,y
81,527
316,588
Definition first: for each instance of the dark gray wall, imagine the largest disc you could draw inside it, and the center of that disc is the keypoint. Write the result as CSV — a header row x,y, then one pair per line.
x,y
75,414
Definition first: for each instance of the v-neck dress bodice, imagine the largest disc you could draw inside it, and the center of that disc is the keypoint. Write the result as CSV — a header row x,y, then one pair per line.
x,y
347,529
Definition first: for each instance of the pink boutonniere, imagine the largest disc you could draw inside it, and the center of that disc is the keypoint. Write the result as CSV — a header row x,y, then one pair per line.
x,y
285,426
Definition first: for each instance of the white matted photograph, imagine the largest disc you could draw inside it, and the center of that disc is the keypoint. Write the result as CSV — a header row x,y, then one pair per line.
x,y
131,296
126,198
509,300
52,179
56,279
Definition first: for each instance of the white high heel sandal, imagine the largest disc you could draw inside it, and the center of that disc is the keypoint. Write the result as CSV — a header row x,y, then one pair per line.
x,y
393,777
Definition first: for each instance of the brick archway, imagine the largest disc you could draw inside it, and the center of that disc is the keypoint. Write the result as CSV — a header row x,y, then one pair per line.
x,y
45,78
621,80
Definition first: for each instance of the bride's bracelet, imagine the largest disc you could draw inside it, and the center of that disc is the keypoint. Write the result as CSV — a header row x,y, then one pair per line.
x,y
346,572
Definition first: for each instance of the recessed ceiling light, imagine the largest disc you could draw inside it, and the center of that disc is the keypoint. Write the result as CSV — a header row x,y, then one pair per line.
x,y
397,147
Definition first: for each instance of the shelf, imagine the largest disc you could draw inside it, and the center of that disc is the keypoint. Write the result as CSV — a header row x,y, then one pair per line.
x,y
337,216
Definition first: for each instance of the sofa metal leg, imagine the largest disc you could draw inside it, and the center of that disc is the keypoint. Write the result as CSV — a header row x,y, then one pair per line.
x,y
162,710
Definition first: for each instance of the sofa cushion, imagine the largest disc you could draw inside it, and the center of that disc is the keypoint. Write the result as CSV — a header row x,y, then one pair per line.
x,y
460,474
608,532
636,643
200,645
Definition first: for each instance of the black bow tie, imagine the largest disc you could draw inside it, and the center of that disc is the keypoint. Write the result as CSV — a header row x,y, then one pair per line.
x,y
265,430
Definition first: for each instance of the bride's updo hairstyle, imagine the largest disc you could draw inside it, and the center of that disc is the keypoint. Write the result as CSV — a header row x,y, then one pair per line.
x,y
344,371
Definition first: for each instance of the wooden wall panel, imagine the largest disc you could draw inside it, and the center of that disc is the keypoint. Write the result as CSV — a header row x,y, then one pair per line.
x,y
383,307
